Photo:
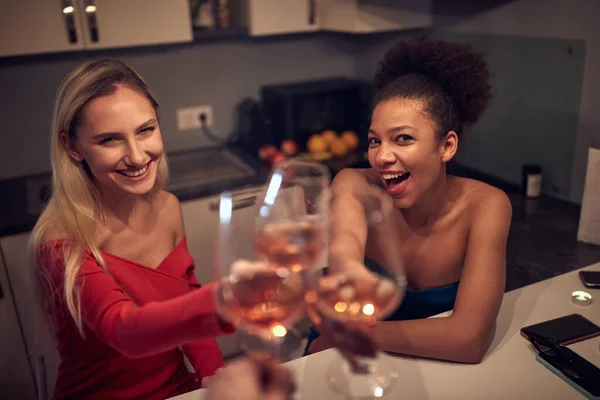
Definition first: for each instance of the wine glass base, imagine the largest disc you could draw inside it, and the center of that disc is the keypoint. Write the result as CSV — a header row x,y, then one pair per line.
x,y
379,381
281,348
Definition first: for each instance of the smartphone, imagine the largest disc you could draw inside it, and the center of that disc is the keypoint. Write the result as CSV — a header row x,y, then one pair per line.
x,y
587,378
590,279
565,330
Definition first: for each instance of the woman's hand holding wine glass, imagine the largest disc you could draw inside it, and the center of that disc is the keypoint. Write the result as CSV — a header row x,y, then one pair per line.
x,y
347,302
266,297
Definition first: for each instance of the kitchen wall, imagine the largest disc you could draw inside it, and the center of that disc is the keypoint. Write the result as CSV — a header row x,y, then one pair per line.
x,y
220,74
575,19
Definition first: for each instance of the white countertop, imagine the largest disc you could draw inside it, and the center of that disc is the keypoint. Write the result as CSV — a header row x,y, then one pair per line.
x,y
509,370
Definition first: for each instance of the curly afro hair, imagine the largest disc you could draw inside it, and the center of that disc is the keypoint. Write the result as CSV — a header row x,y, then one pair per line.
x,y
452,79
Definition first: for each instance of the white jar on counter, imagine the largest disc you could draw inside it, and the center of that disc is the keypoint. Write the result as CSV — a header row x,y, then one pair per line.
x,y
532,181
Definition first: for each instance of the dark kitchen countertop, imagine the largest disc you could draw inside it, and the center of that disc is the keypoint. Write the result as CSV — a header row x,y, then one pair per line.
x,y
259,176
542,241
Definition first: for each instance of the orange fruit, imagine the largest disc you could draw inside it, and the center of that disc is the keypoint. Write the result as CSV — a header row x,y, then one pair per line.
x,y
321,156
316,144
329,136
339,148
351,139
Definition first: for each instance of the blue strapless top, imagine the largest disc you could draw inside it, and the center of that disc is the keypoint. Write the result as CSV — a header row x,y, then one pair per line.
x,y
423,303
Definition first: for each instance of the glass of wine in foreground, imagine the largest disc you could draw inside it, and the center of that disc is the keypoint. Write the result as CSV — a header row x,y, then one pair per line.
x,y
353,296
264,294
293,221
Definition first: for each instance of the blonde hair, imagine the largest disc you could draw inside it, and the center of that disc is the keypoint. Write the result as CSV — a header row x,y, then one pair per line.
x,y
75,207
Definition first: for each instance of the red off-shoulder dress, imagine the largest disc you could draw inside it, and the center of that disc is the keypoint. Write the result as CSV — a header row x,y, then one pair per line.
x,y
137,322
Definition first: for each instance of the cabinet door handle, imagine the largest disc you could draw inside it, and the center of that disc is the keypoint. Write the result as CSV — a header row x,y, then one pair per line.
x,y
40,377
90,13
68,11
237,203
312,11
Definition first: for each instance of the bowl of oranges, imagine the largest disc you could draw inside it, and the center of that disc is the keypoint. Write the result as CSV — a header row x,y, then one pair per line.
x,y
329,144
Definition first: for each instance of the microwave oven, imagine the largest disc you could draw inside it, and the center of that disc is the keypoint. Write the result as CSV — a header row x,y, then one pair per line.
x,y
297,110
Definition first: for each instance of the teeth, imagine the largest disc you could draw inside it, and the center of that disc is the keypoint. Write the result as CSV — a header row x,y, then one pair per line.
x,y
133,174
392,176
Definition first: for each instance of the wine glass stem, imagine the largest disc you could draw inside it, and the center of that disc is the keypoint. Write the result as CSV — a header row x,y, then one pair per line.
x,y
274,344
362,365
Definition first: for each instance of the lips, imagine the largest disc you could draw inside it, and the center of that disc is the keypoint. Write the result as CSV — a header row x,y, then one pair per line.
x,y
395,182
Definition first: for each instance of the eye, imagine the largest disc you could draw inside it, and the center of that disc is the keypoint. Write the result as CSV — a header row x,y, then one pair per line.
x,y
373,141
108,140
148,129
404,138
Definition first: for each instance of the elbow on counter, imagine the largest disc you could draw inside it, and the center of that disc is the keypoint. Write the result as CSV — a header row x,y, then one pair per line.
x,y
475,347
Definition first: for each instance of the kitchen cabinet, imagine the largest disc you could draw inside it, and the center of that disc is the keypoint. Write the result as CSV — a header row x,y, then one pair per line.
x,y
39,338
273,17
136,22
16,378
38,26
368,16
47,26
201,219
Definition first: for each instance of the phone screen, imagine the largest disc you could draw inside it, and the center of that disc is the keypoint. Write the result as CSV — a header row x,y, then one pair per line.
x,y
565,330
590,277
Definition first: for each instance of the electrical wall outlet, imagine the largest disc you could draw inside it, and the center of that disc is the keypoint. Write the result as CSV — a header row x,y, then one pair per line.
x,y
189,118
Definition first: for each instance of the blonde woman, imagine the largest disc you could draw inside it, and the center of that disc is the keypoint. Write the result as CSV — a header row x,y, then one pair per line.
x,y
116,275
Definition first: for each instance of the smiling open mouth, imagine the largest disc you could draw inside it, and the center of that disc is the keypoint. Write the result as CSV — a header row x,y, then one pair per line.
x,y
395,179
134,173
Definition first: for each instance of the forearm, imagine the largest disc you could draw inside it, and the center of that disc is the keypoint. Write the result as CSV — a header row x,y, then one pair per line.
x,y
161,326
444,338
345,250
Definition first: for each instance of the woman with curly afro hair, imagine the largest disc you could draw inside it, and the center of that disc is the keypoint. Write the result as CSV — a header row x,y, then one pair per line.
x,y
451,231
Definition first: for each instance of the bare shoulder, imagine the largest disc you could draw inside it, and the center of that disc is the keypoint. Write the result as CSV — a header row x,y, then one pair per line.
x,y
169,207
356,177
483,199
168,202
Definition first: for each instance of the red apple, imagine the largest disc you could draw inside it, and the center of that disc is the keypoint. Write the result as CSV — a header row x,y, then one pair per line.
x,y
275,158
289,147
266,151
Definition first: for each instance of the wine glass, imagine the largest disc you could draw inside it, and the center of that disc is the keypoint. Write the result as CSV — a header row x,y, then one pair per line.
x,y
293,220
264,295
354,296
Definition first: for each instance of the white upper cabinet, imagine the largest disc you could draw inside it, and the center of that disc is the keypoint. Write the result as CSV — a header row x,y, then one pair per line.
x,y
50,26
274,17
38,26
123,23
367,16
